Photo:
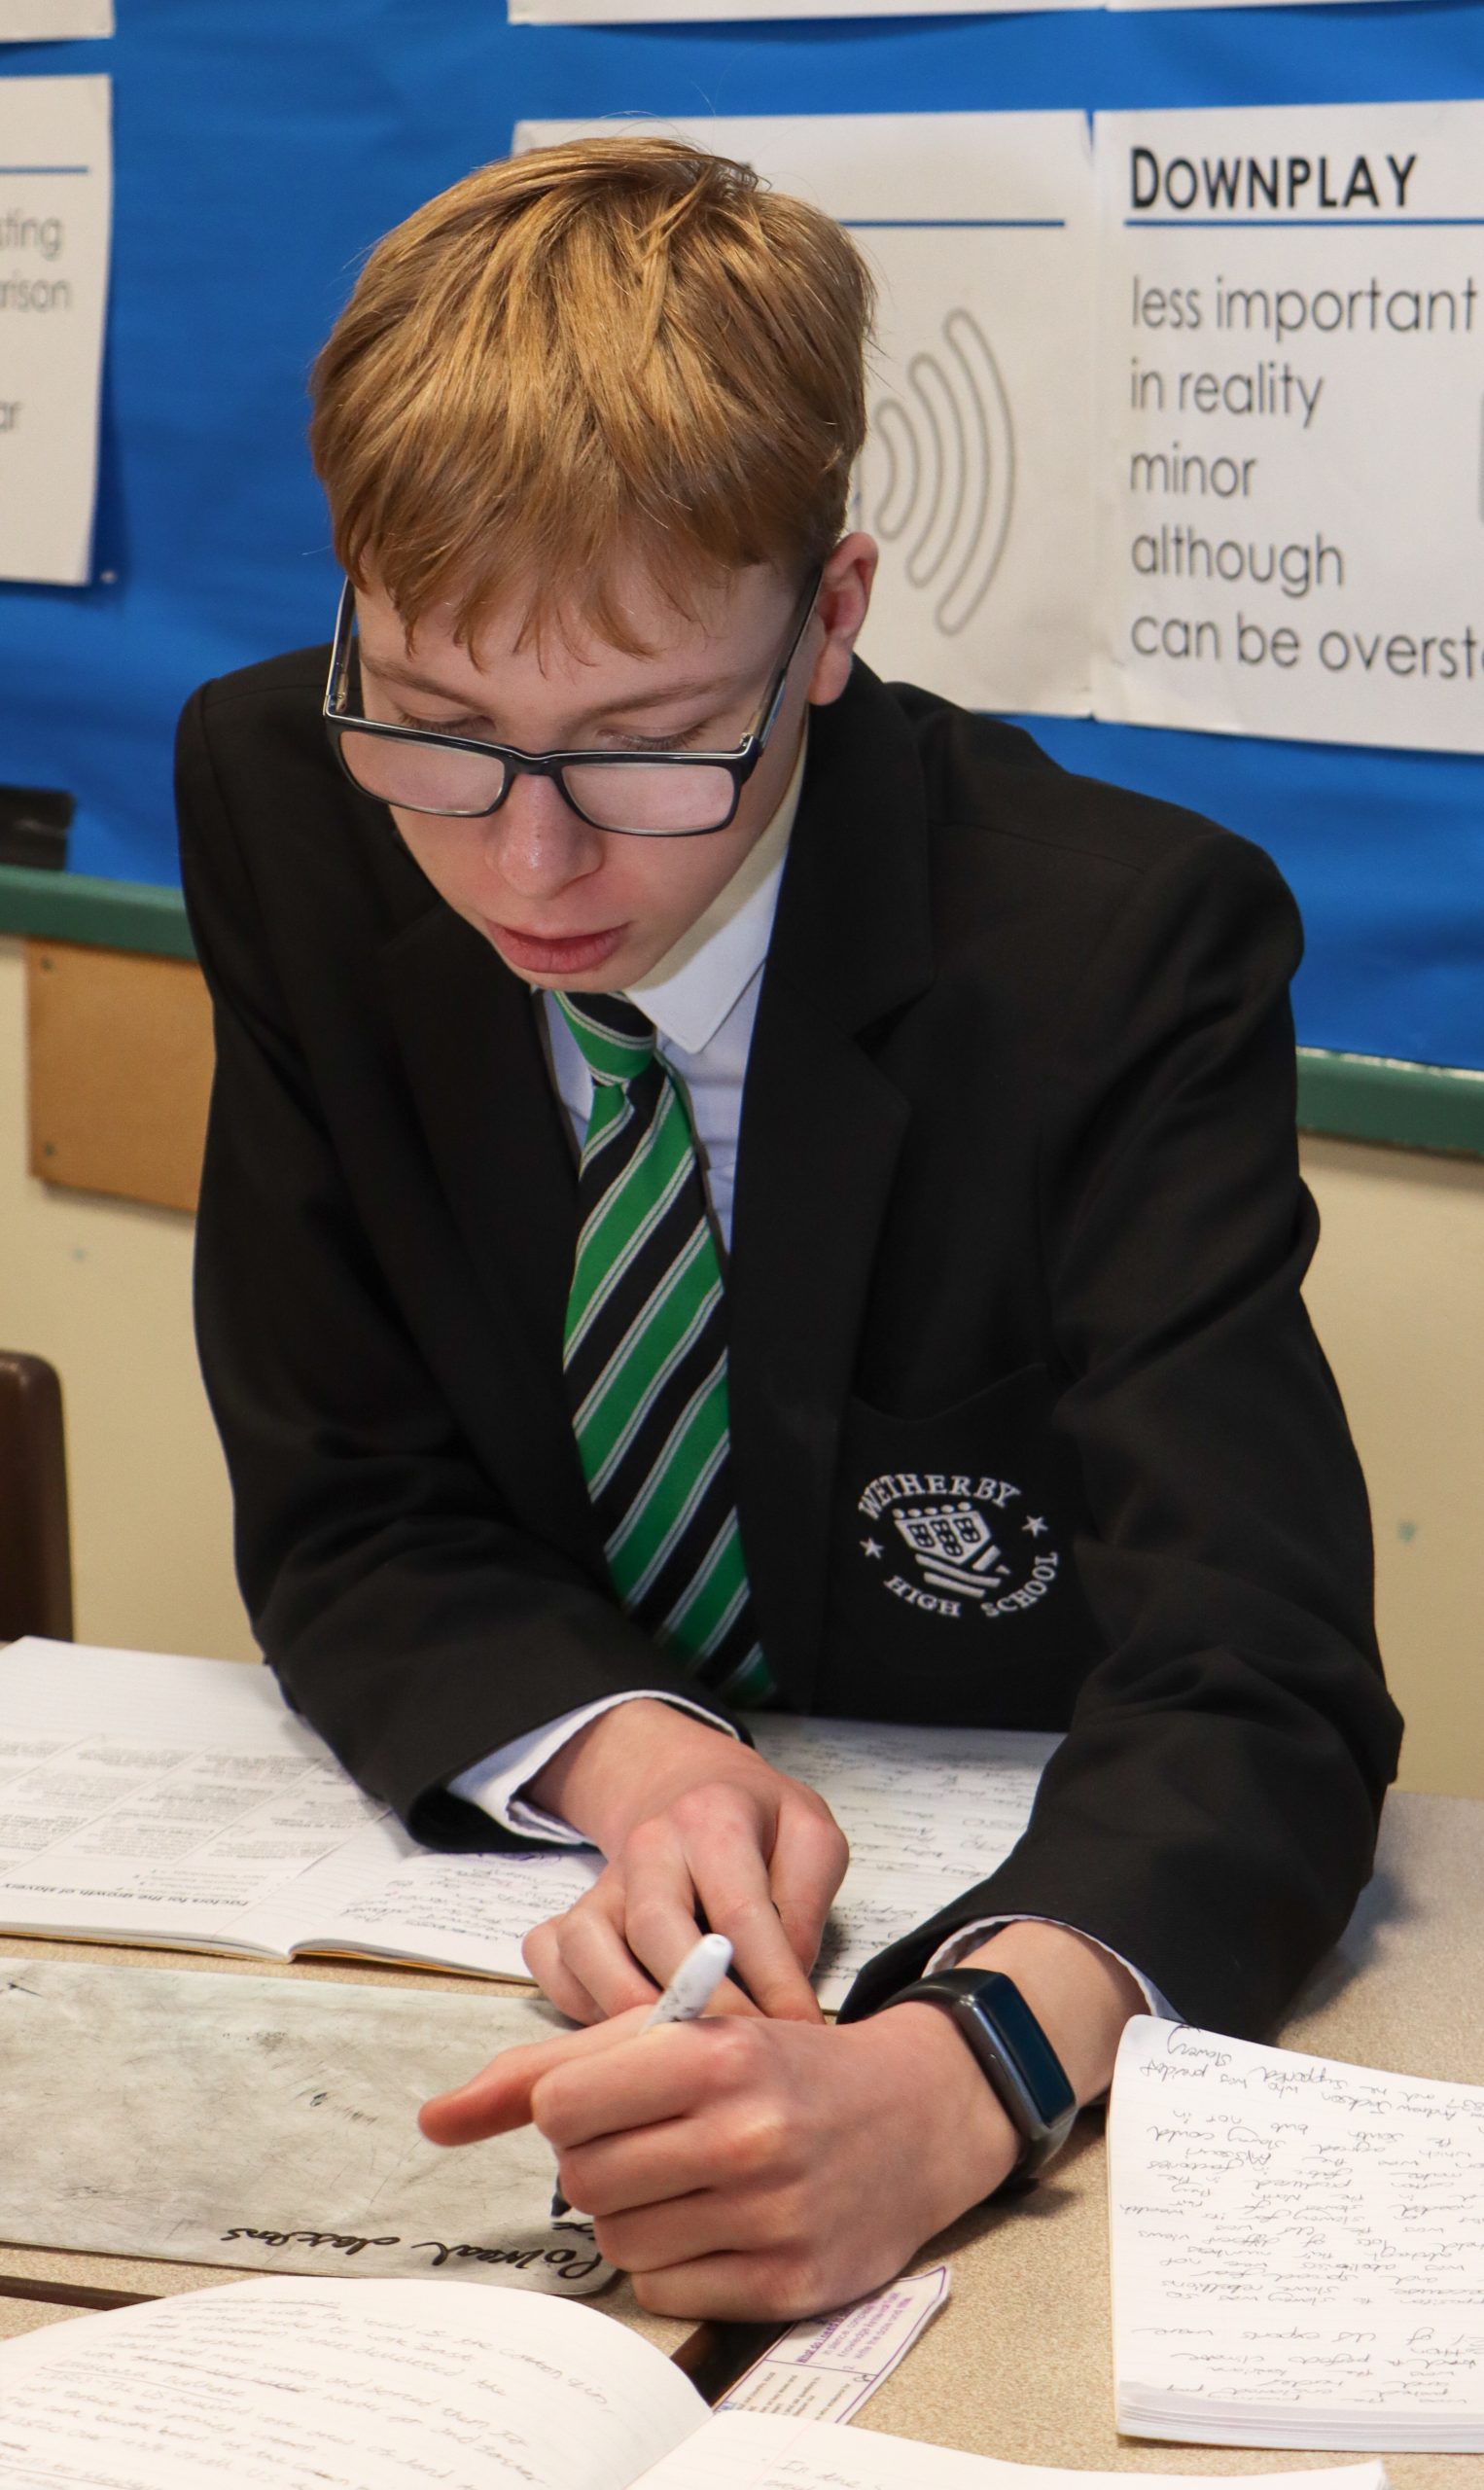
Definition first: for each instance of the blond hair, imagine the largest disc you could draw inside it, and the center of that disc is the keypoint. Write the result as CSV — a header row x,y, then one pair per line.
x,y
618,345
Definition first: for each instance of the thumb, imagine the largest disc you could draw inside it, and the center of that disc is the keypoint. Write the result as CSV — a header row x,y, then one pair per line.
x,y
499,2097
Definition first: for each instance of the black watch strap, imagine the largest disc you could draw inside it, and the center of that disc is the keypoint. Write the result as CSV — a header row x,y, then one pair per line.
x,y
1012,2052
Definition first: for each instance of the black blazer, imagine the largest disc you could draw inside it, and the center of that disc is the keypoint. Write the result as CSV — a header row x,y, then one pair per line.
x,y
1029,1426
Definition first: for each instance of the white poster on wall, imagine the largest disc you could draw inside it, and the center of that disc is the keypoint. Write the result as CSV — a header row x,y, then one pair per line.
x,y
49,20
977,474
1290,435
649,13
56,191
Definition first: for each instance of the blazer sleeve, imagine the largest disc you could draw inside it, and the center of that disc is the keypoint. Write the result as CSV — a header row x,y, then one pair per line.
x,y
407,1616
1212,1812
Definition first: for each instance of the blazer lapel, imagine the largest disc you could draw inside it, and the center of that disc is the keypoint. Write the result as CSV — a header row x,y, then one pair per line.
x,y
822,1128
466,1031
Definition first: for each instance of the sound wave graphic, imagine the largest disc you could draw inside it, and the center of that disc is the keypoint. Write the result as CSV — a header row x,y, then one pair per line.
x,y
950,471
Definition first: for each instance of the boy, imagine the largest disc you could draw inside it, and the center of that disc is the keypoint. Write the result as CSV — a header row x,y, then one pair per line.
x,y
729,1184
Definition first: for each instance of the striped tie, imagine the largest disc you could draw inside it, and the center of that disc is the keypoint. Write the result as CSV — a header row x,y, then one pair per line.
x,y
645,1357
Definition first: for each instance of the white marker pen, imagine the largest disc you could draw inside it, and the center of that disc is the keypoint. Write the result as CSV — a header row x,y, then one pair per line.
x,y
685,2000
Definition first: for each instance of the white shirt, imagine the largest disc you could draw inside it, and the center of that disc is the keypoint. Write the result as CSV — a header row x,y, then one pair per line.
x,y
702,998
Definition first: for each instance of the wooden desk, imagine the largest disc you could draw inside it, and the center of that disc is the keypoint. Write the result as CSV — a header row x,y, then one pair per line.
x,y
1018,2365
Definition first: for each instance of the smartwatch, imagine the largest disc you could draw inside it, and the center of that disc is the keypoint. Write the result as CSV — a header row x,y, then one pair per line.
x,y
1014,2054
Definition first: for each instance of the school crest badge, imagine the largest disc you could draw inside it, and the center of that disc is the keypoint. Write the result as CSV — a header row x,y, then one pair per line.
x,y
957,1547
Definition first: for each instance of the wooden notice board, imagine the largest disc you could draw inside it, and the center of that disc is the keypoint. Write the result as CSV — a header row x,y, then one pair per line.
x,y
120,1072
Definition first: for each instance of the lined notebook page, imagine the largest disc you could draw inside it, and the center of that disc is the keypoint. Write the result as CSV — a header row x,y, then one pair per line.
x,y
1297,2248
756,2451
147,1795
927,1812
325,2386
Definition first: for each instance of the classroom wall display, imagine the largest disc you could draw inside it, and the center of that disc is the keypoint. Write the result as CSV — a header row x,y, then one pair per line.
x,y
54,200
260,152
651,13
47,21
977,472
1291,422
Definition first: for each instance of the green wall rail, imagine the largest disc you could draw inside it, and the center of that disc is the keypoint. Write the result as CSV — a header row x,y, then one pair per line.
x,y
1355,1097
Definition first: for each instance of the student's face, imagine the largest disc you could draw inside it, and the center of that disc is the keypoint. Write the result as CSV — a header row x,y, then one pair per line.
x,y
565,905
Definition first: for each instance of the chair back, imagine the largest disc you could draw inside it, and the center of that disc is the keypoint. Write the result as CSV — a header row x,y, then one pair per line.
x,y
35,1543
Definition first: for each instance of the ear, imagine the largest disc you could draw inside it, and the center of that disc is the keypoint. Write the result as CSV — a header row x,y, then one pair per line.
x,y
844,600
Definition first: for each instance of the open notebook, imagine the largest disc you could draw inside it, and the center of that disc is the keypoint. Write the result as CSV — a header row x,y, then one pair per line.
x,y
1297,2248
179,1802
311,2385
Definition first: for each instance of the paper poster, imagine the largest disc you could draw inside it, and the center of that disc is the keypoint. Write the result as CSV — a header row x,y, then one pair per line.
x,y
1291,443
653,13
55,189
640,12
49,20
975,476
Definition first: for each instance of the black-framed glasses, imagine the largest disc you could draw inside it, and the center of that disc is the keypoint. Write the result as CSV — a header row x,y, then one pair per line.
x,y
645,794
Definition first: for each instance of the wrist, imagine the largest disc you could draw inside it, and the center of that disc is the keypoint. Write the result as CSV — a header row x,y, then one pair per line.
x,y
1080,1995
961,2138
602,1782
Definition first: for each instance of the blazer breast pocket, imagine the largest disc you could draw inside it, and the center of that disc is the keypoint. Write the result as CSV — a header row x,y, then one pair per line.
x,y
953,1592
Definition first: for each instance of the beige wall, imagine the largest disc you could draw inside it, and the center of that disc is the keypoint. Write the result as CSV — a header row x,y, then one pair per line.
x,y
103,1290
1398,1292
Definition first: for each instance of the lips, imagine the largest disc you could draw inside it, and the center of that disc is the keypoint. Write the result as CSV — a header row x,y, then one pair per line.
x,y
555,954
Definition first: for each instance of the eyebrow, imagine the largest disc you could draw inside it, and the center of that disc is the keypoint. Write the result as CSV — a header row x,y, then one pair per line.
x,y
408,677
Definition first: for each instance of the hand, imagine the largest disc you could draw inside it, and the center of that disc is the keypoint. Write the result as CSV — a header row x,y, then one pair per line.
x,y
696,1828
750,2169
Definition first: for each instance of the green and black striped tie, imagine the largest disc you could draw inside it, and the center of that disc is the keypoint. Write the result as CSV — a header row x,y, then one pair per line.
x,y
646,1359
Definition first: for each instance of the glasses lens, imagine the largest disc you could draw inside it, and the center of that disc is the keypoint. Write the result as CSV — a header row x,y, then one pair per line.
x,y
661,798
425,777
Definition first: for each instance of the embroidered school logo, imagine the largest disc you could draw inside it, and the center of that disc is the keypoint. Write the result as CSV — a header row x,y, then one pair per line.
x,y
973,1552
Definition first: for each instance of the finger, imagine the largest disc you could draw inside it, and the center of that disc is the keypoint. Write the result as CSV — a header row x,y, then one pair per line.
x,y
643,2166
730,2285
671,2072
809,1859
594,1953
542,1950
499,2097
731,1880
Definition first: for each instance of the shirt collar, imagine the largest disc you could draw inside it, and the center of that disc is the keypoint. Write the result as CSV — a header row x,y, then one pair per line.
x,y
702,978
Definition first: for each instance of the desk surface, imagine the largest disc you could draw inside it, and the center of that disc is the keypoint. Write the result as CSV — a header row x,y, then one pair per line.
x,y
1018,2365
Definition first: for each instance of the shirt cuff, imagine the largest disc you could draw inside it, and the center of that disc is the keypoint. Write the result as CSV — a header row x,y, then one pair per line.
x,y
954,1948
496,1783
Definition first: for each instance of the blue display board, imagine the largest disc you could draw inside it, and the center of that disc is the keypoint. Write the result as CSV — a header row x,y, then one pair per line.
x,y
262,147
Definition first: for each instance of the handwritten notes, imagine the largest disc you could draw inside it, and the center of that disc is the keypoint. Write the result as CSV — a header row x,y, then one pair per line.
x,y
386,2387
150,1795
1297,2248
269,2125
926,1813
759,2452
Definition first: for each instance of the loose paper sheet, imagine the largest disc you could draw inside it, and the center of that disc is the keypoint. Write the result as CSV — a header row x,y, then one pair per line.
x,y
1292,442
825,2368
225,2120
1296,2239
386,2387
975,476
50,21
55,203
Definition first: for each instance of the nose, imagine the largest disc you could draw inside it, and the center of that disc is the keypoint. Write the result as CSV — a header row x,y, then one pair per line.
x,y
536,844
